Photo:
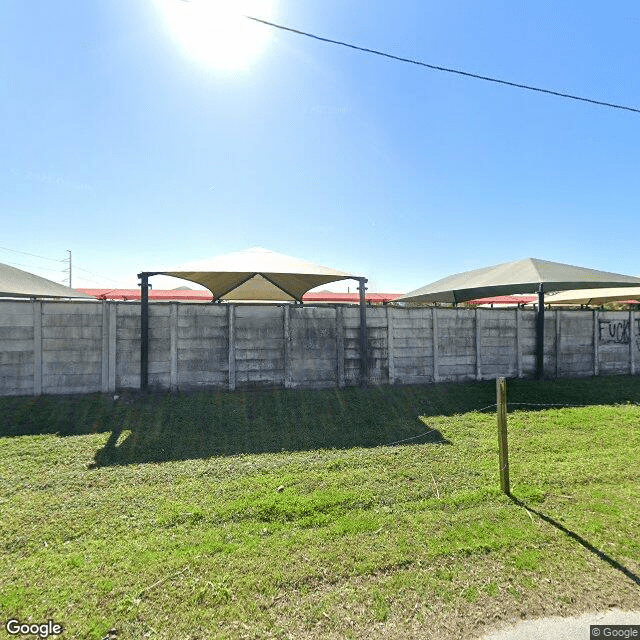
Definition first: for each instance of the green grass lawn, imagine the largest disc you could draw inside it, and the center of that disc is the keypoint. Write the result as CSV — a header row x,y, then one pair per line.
x,y
289,514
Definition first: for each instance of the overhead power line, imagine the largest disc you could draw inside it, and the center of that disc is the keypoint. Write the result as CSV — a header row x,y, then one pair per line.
x,y
60,270
35,255
28,266
434,67
96,274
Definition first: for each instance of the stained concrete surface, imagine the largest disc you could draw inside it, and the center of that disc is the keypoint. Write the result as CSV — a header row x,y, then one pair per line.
x,y
572,628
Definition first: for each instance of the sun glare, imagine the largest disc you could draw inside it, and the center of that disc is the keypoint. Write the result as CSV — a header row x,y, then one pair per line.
x,y
216,33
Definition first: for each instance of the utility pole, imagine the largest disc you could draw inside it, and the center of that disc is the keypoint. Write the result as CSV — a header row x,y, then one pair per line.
x,y
69,252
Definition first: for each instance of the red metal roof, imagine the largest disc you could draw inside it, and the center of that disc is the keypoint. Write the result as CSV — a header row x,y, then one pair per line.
x,y
375,298
157,294
192,295
504,300
205,296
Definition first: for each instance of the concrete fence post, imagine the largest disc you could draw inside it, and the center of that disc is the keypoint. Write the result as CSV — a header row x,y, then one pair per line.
x,y
596,341
478,328
425,314
104,378
434,327
37,347
286,327
232,347
340,346
364,340
519,371
558,336
173,346
632,343
390,349
113,353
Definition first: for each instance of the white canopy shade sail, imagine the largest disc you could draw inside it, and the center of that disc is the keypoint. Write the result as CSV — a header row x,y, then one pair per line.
x,y
520,276
15,283
594,296
257,274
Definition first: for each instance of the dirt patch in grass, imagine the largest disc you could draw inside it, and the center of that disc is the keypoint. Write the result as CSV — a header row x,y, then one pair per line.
x,y
453,599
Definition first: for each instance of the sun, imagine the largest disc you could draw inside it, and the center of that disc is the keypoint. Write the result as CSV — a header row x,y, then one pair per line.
x,y
216,33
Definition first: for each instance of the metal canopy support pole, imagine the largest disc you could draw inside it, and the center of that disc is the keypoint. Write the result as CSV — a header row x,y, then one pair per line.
x,y
144,330
540,334
632,343
364,360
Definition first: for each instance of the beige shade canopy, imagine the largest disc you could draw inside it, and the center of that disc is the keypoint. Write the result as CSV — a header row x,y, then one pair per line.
x,y
15,283
594,296
520,276
257,274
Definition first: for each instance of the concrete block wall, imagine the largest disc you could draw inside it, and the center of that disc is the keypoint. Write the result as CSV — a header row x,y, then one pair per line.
x,y
199,345
18,360
526,327
127,337
83,347
377,345
159,345
575,344
351,341
311,347
259,346
71,347
615,343
550,342
455,344
497,351
410,338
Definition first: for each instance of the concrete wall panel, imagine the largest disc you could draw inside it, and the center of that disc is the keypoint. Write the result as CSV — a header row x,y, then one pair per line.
x,y
259,346
202,342
62,347
613,331
312,347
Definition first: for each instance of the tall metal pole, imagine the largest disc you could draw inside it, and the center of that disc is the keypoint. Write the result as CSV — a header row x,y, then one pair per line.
x,y
144,330
364,358
540,334
69,252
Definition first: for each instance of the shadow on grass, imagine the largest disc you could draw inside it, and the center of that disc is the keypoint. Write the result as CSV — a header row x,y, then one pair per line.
x,y
161,426
579,539
205,424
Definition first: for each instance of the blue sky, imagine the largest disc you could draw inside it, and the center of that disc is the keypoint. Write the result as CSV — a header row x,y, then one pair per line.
x,y
120,145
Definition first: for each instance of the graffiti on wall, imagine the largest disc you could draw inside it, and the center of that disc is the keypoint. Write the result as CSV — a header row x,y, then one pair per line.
x,y
614,331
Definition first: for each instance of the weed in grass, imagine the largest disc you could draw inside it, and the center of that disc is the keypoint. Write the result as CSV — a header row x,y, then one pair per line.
x,y
380,607
211,593
528,559
470,594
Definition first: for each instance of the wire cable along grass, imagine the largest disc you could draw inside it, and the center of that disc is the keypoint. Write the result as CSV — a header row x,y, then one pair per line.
x,y
522,405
